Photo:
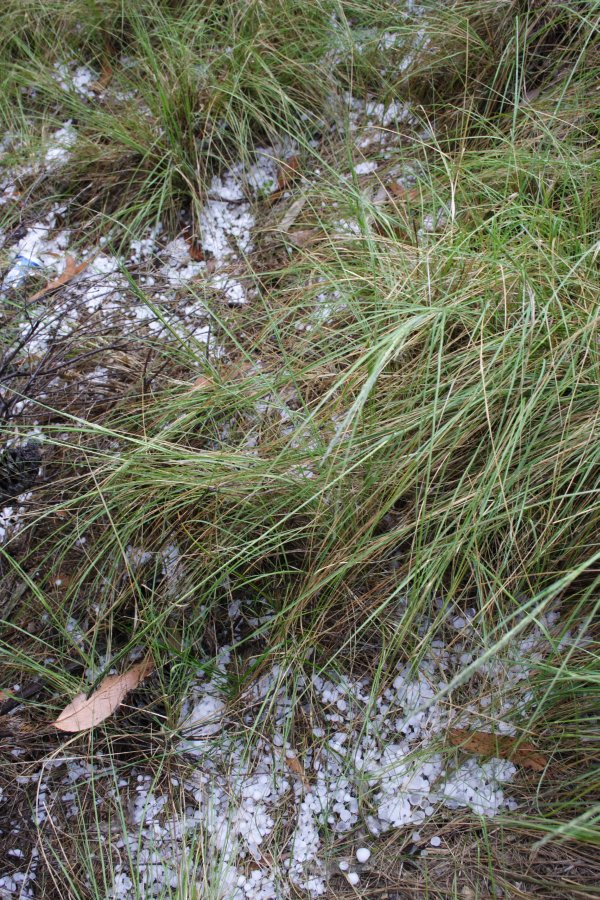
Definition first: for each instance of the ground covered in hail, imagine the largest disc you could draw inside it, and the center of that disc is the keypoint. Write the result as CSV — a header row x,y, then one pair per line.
x,y
269,812
298,398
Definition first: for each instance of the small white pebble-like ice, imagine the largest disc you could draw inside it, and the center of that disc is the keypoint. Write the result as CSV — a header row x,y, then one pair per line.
x,y
363,854
353,878
436,841
365,168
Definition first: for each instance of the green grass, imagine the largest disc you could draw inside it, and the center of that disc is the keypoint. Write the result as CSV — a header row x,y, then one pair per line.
x,y
442,433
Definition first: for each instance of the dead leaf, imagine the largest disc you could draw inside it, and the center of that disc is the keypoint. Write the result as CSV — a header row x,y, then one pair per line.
x,y
295,766
195,250
86,712
291,214
402,193
202,383
501,746
62,582
288,172
70,270
303,237
105,78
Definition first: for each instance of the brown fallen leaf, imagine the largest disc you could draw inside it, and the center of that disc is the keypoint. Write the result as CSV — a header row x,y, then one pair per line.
x,y
398,190
86,712
202,383
289,171
105,78
502,746
291,214
195,250
70,270
533,94
295,766
62,582
287,175
303,237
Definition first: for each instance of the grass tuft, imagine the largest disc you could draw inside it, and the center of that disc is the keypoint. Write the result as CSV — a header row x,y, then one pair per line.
x,y
402,425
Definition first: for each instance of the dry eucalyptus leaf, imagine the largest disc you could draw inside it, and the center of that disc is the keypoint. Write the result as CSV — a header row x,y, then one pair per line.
x,y
289,171
291,214
295,766
288,174
105,78
86,712
202,383
303,237
500,746
70,270
195,250
402,193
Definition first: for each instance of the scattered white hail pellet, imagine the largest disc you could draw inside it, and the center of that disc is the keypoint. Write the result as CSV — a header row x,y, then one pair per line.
x,y
353,878
436,841
363,854
78,79
364,168
59,146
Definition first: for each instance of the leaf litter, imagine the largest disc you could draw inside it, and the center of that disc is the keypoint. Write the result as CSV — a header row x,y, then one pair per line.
x,y
500,746
86,711
71,269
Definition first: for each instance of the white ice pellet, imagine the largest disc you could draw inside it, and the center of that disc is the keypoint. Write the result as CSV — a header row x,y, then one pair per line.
x,y
364,168
353,878
363,854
